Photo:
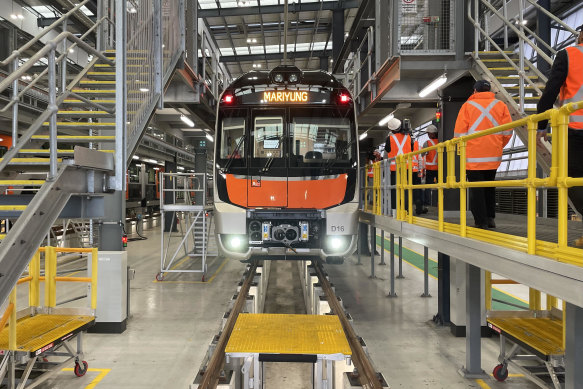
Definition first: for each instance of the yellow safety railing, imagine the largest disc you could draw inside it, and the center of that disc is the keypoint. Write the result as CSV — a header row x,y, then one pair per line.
x,y
50,280
558,178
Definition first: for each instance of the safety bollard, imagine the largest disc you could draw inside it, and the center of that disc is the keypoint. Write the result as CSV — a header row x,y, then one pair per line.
x,y
400,258
425,272
382,263
392,260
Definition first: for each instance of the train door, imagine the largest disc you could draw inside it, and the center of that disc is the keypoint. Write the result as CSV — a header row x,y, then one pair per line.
x,y
267,180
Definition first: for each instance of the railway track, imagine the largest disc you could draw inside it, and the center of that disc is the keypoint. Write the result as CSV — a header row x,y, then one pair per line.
x,y
364,371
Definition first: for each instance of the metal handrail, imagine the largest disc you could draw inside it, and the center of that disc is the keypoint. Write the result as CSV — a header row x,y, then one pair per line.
x,y
16,53
61,58
553,17
50,46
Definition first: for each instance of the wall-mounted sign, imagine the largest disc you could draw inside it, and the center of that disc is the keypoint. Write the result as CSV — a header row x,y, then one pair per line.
x,y
409,6
285,97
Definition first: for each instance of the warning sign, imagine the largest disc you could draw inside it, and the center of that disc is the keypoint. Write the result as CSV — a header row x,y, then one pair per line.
x,y
409,6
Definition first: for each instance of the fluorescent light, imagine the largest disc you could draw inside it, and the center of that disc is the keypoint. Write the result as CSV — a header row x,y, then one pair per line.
x,y
135,157
180,168
433,85
386,119
186,120
144,90
71,50
363,135
210,137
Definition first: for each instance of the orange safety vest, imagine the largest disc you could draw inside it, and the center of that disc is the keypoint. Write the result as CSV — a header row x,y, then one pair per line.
x,y
482,112
370,171
572,89
431,156
400,144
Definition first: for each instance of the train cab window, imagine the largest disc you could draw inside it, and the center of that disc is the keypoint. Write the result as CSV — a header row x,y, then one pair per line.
x,y
233,135
268,137
318,139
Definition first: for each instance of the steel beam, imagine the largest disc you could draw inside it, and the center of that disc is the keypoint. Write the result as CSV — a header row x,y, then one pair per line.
x,y
273,56
277,9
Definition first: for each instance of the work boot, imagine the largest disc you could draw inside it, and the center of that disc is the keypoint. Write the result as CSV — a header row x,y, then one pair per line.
x,y
578,242
491,223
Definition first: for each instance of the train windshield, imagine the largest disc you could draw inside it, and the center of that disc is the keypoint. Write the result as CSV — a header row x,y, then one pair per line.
x,y
320,138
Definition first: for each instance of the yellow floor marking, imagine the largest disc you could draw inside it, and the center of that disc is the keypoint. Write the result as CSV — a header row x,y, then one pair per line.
x,y
198,282
96,380
483,384
72,274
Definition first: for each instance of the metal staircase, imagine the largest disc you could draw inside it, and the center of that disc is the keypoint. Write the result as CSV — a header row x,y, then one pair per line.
x,y
515,80
75,152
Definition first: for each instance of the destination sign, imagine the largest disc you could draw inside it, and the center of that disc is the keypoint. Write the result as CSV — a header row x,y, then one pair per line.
x,y
285,97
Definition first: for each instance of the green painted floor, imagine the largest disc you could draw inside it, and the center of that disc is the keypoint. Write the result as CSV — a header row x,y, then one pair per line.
x,y
508,303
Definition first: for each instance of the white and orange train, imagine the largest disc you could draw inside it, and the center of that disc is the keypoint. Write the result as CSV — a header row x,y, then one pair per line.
x,y
285,177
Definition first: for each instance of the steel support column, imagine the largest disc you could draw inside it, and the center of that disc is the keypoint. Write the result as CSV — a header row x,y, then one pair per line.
x,y
337,32
473,367
543,30
573,346
442,316
111,229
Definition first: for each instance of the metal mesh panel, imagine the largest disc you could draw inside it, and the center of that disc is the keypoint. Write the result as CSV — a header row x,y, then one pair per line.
x,y
426,27
171,34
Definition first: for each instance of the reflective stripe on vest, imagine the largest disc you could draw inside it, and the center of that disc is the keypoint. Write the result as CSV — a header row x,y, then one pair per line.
x,y
576,118
484,113
400,146
432,161
484,159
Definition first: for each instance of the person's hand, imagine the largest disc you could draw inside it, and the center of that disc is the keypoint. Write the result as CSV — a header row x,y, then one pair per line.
x,y
542,135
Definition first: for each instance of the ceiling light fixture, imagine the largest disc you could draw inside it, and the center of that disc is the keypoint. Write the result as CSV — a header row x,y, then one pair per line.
x,y
210,137
386,119
186,120
433,85
363,135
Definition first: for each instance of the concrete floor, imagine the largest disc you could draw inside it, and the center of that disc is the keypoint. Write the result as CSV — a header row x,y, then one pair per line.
x,y
173,322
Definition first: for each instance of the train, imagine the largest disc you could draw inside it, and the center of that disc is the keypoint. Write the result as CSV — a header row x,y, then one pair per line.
x,y
286,167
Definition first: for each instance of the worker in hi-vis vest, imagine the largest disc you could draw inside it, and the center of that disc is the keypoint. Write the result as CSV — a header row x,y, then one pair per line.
x,y
566,81
483,111
400,142
430,159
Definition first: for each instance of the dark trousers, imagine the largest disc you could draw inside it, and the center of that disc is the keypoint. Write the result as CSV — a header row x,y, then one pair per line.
x,y
482,200
430,178
576,167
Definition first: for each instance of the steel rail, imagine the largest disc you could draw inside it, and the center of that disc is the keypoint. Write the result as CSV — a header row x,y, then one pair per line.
x,y
367,374
210,378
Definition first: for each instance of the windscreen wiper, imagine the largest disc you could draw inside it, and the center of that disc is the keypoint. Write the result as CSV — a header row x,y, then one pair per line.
x,y
232,157
269,162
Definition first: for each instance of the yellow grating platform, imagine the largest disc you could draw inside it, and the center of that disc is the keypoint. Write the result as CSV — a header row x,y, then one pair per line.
x,y
288,334
33,333
544,334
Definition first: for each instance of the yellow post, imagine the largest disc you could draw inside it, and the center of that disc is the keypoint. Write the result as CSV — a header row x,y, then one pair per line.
x,y
555,148
534,300
451,147
564,322
463,190
12,321
562,133
34,284
488,291
397,190
50,274
551,302
440,189
410,186
366,187
531,209
94,261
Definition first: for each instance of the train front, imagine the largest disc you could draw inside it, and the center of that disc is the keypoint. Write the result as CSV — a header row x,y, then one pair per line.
x,y
286,167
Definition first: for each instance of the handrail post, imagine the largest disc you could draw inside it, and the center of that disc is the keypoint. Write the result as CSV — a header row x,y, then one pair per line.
x,y
53,117
440,188
463,189
409,165
476,29
15,103
12,321
521,56
64,60
562,133
34,284
488,290
94,262
531,208
505,13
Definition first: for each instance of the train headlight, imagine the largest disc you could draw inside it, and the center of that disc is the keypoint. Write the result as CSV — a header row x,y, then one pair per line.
x,y
235,242
293,78
278,77
336,243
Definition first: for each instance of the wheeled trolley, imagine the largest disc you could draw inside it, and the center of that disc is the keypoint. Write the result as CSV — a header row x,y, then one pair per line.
x,y
537,349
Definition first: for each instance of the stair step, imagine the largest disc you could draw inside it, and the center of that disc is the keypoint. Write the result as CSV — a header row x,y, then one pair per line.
x,y
108,66
516,88
84,114
527,99
12,207
498,60
81,125
97,83
78,138
21,182
506,71
96,101
100,92
59,151
31,161
513,78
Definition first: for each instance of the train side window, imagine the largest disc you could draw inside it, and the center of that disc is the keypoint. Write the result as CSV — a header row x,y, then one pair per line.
x,y
233,132
268,137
